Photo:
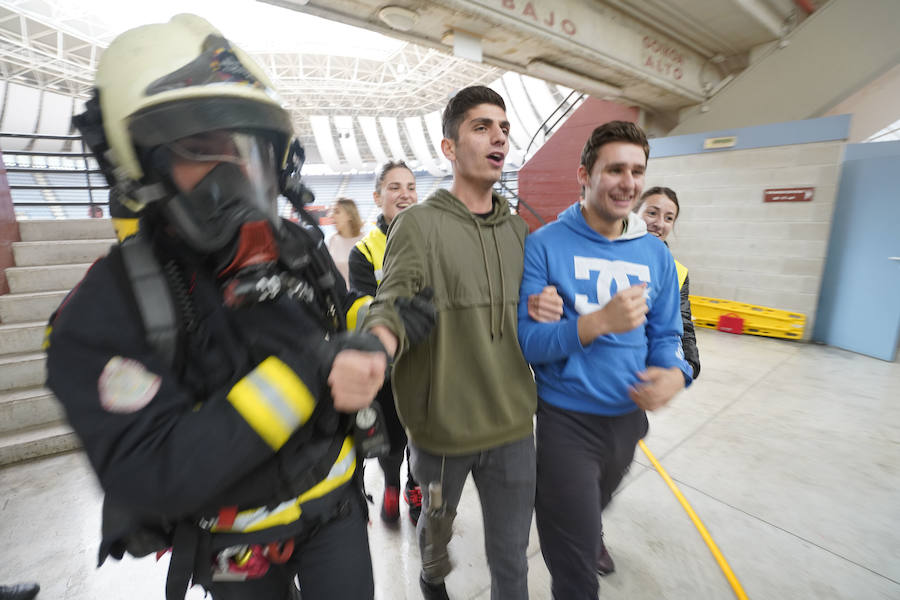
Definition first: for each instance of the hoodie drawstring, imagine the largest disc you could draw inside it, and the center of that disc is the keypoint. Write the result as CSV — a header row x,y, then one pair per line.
x,y
502,281
487,270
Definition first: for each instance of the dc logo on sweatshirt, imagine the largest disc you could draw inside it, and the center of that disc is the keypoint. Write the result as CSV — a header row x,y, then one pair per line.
x,y
606,272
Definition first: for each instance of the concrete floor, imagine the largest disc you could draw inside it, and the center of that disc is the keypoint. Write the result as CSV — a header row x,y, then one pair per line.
x,y
789,453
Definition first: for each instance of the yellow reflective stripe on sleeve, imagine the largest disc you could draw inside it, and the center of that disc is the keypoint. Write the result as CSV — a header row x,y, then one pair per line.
x,y
287,512
357,312
273,401
341,472
46,343
364,248
125,227
682,273
372,247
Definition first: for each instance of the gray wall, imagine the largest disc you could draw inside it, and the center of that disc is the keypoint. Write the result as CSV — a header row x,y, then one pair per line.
x,y
736,246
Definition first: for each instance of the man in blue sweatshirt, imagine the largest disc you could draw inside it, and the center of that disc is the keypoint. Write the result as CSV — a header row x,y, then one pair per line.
x,y
615,354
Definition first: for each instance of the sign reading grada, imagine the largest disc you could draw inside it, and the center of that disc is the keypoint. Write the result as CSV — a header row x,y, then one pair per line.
x,y
797,194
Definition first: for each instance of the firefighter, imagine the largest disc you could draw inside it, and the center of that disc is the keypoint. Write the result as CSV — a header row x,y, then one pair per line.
x,y
204,362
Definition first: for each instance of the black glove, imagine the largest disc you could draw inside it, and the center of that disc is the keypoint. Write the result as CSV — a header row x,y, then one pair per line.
x,y
418,315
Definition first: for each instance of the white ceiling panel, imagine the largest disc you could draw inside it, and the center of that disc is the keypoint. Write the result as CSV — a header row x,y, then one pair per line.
x,y
392,135
56,119
373,140
321,129
343,125
20,115
415,135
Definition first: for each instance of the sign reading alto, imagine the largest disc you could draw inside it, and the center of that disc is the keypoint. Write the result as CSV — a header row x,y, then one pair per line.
x,y
663,58
798,194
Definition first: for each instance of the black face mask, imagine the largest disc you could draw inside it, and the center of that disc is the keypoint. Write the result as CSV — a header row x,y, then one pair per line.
x,y
209,217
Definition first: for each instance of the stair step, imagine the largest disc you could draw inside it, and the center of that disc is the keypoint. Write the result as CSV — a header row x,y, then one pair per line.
x,y
66,229
18,338
23,280
35,306
34,442
22,370
64,252
27,408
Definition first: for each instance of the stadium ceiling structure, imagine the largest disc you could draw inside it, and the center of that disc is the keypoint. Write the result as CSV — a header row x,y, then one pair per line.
x,y
663,56
350,112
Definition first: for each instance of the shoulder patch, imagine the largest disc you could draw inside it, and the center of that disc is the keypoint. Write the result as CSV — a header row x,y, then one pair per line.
x,y
126,386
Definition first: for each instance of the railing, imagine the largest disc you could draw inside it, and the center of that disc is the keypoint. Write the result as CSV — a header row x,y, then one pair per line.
x,y
508,186
61,171
559,113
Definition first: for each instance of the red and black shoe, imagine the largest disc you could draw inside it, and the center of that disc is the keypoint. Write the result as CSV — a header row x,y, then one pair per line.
x,y
413,496
390,504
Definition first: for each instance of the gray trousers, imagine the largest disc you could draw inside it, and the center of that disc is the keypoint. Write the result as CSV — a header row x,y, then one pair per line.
x,y
505,479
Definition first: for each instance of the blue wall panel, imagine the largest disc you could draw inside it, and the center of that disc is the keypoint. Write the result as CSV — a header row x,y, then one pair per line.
x,y
859,302
825,129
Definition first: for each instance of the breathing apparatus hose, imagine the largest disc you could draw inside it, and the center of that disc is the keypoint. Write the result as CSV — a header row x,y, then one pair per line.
x,y
723,564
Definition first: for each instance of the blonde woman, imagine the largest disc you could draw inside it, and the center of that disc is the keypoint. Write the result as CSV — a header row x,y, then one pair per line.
x,y
348,224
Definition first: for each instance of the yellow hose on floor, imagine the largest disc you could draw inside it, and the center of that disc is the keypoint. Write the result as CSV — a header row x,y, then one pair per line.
x,y
723,564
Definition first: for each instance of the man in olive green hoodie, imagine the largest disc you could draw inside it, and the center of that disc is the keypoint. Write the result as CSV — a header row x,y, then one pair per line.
x,y
465,395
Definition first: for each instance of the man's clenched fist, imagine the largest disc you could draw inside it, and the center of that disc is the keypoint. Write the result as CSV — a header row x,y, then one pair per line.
x,y
355,378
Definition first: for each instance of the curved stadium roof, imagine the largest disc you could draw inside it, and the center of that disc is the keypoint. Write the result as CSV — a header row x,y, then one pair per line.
x,y
357,97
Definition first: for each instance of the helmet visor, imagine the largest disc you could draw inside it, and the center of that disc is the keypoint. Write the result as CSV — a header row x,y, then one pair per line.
x,y
224,179
193,157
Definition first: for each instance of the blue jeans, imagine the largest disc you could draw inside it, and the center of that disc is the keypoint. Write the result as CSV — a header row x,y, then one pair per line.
x,y
505,479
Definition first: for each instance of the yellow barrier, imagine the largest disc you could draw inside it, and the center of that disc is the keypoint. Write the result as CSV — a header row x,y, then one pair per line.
x,y
758,320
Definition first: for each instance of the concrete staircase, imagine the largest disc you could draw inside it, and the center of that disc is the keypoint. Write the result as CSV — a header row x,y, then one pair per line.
x,y
51,258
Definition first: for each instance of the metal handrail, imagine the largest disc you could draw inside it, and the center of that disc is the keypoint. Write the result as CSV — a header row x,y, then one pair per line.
x,y
47,170
515,196
40,136
541,128
28,186
62,203
86,171
38,153
550,116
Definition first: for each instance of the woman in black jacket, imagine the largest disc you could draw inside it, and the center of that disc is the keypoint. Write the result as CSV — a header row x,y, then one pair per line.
x,y
659,208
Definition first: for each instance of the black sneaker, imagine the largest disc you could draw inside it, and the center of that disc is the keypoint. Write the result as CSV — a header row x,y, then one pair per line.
x,y
413,496
605,564
22,591
433,591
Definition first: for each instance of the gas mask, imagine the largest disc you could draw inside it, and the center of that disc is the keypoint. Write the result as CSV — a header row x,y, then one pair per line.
x,y
225,207
223,179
